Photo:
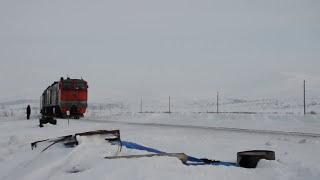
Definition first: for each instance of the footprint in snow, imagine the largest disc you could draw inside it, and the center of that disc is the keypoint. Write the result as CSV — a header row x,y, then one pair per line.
x,y
268,144
75,169
302,141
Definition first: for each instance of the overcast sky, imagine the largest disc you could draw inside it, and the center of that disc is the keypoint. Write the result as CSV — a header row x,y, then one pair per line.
x,y
156,48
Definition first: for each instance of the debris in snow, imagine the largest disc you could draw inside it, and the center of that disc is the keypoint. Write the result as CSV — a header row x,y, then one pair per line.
x,y
246,159
75,169
73,140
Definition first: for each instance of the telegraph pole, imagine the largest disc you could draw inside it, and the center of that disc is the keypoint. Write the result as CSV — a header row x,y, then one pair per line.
x,y
169,105
304,97
141,105
217,102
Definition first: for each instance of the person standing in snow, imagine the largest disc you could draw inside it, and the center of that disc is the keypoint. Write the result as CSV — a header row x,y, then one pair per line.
x,y
28,112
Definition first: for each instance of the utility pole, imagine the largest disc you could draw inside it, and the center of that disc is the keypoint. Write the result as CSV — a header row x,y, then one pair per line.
x,y
304,97
141,105
217,102
169,105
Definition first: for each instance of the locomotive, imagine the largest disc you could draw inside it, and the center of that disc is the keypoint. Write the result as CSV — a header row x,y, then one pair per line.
x,y
66,95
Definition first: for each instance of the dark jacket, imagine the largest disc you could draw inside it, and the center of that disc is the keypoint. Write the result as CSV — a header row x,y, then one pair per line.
x,y
28,110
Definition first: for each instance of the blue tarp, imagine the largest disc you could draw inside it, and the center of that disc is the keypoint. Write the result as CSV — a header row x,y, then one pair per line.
x,y
191,160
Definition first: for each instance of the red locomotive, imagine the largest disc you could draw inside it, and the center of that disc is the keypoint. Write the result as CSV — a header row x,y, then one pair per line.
x,y
65,95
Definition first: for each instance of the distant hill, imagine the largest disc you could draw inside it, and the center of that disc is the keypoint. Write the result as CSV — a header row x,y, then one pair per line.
x,y
19,102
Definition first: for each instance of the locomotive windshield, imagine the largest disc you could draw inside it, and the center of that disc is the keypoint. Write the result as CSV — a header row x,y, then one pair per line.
x,y
67,85
74,84
80,85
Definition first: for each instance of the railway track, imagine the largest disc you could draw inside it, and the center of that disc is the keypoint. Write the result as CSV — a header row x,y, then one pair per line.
x,y
230,129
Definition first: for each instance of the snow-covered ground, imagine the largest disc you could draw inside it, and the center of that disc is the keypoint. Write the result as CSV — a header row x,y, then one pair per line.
x,y
214,136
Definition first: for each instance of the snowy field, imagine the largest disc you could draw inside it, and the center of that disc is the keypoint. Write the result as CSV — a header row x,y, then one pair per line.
x,y
111,106
213,136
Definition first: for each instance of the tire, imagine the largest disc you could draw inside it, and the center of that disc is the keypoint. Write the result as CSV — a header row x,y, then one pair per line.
x,y
47,119
250,159
43,120
53,121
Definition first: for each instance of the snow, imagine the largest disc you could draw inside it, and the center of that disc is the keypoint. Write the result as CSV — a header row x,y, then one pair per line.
x,y
113,106
197,134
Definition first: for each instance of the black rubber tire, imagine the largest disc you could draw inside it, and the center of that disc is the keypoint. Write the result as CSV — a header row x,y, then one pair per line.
x,y
47,119
43,120
250,159
53,121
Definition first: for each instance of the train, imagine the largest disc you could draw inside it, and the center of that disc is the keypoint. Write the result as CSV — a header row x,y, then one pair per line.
x,y
65,98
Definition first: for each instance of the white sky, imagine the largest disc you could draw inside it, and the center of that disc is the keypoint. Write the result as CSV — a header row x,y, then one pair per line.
x,y
156,48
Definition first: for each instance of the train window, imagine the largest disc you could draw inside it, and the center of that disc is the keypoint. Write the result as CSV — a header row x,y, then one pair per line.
x,y
81,85
67,85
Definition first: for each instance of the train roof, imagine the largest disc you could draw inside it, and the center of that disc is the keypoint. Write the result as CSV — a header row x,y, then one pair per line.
x,y
68,79
63,80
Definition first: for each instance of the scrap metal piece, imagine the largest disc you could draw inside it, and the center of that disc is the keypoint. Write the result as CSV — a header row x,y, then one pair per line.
x,y
112,136
61,139
181,156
